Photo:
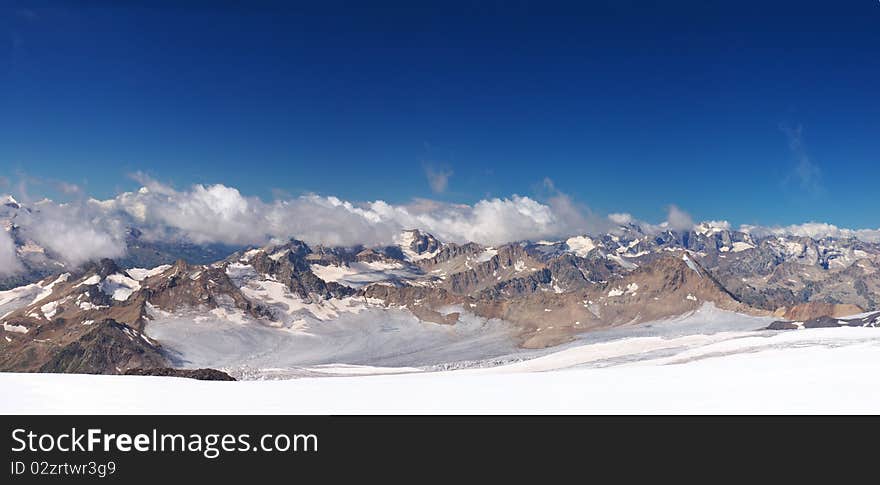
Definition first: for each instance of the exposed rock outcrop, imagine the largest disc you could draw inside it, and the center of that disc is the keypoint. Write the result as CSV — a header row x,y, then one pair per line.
x,y
872,320
815,309
198,374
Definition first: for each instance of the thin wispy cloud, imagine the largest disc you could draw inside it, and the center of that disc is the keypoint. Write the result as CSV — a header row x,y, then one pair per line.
x,y
68,188
438,180
806,173
29,188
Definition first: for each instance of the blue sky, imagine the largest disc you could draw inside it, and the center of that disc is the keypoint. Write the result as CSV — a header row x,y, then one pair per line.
x,y
750,113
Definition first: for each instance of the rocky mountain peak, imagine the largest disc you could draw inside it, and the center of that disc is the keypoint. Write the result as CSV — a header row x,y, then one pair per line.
x,y
549,290
106,267
9,201
417,245
180,266
297,247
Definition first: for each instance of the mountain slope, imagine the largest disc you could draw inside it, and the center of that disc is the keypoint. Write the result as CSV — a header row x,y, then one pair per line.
x,y
419,302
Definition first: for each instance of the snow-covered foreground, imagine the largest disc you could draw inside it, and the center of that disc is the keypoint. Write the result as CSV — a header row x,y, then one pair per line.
x,y
370,337
386,339
382,341
809,371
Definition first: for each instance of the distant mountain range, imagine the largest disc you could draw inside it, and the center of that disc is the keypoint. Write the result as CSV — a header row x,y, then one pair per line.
x,y
40,262
468,300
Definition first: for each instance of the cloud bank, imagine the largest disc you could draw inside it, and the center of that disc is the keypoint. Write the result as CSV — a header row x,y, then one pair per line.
x,y
9,262
88,229
76,233
815,230
217,213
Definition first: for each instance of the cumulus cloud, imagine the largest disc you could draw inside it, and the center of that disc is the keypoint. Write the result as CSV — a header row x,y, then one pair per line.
x,y
620,218
217,213
9,263
214,213
437,179
84,230
678,219
724,225
221,214
573,217
815,230
76,232
491,221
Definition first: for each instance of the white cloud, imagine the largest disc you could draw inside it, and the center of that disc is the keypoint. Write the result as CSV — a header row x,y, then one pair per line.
x,y
76,232
438,179
89,229
722,225
815,230
620,218
9,263
68,188
491,221
678,219
221,214
218,213
806,172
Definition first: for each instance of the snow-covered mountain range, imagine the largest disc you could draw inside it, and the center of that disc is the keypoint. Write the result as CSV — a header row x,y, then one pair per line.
x,y
287,309
36,260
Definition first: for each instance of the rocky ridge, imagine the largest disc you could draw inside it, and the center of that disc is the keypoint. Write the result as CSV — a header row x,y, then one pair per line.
x,y
93,319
